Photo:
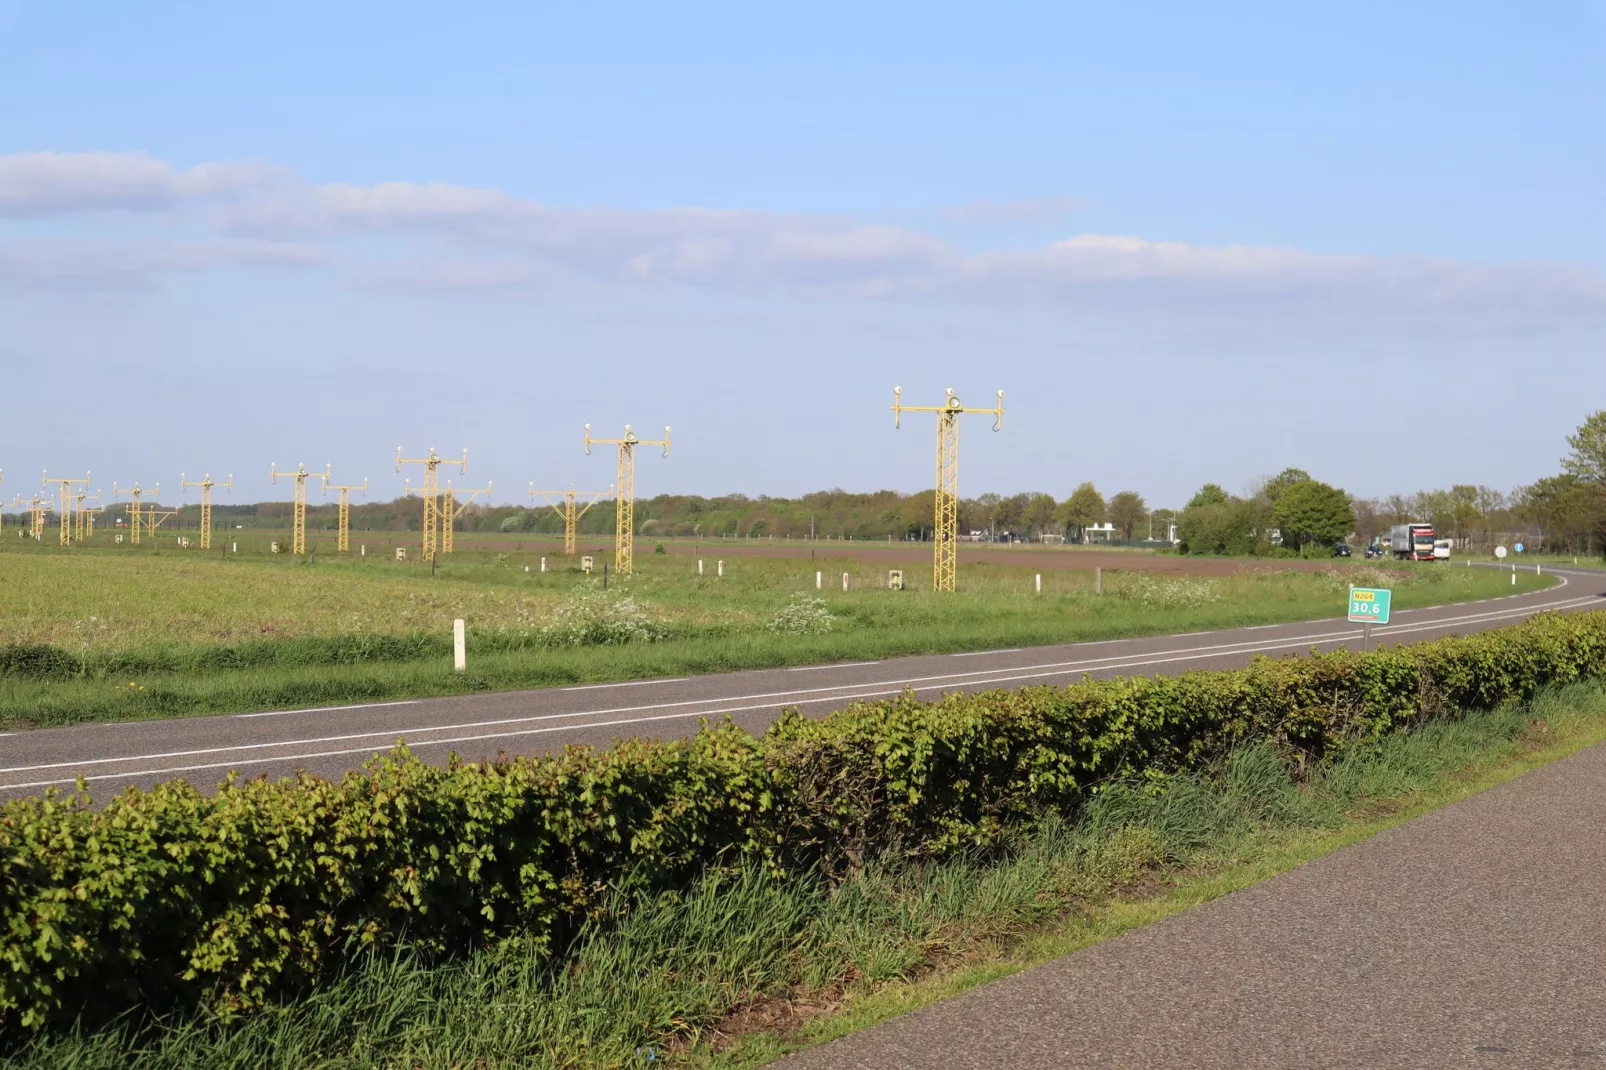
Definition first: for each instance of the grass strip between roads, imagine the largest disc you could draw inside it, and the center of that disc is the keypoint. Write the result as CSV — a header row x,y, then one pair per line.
x,y
742,968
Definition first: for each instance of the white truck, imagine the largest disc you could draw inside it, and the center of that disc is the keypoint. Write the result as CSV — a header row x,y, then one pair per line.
x,y
1412,542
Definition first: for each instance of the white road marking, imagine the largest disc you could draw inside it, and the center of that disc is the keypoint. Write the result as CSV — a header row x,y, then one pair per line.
x,y
630,683
835,665
322,709
979,653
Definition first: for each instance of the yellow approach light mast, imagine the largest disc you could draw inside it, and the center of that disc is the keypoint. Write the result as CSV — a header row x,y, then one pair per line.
x,y
136,507
298,531
570,510
64,511
83,516
206,484
345,489
431,495
945,564
624,524
451,510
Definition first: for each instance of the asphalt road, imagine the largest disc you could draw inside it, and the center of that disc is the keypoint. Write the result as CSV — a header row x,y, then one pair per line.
x,y
328,741
1470,937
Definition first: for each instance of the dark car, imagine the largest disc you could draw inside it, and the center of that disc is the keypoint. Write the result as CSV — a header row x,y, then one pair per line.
x,y
1374,549
1341,549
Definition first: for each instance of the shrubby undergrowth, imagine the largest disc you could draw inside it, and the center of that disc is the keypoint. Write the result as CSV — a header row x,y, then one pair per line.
x,y
170,898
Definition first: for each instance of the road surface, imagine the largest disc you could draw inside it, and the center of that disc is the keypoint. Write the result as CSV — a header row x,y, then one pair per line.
x,y
329,741
1470,937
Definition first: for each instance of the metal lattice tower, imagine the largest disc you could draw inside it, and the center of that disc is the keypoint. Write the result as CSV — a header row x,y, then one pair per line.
x,y
36,512
83,516
64,511
945,563
570,510
206,484
451,510
430,494
136,508
298,530
343,541
624,524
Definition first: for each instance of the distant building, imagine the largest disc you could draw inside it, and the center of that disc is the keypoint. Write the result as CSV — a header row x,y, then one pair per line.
x,y
1098,532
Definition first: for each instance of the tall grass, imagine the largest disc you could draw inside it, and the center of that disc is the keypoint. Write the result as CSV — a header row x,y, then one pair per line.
x,y
269,635
655,976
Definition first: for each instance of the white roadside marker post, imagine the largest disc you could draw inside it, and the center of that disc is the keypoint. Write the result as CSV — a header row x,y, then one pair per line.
x,y
459,645
1039,583
819,581
720,569
844,581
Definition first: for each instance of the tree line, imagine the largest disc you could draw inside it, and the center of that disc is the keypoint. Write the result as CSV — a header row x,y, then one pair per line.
x,y
1291,512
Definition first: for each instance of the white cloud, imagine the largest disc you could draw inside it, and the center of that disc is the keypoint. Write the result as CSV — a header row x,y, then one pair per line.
x,y
90,265
42,184
462,239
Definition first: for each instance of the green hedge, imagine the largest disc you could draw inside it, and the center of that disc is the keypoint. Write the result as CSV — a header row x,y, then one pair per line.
x,y
171,896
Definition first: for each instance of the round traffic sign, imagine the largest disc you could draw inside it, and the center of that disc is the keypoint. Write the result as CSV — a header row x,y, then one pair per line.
x,y
1500,551
1518,547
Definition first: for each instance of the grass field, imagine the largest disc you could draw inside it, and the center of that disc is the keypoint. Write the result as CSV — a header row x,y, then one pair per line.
x,y
98,633
742,968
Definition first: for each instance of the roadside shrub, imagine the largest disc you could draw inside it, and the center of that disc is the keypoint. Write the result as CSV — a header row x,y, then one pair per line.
x,y
38,661
803,615
170,897
1170,594
594,617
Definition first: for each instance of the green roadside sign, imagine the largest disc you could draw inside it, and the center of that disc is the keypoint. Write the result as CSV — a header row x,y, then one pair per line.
x,y
1369,605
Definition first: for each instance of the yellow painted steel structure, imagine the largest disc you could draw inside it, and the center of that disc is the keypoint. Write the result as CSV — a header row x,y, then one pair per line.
x,y
136,508
298,529
343,540
431,495
570,510
36,512
206,484
65,493
945,563
624,524
451,510
83,516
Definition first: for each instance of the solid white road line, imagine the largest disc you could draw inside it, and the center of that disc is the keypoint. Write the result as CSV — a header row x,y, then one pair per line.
x,y
321,709
881,689
838,665
630,683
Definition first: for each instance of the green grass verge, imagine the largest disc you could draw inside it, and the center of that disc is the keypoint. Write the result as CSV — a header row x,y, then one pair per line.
x,y
281,636
742,967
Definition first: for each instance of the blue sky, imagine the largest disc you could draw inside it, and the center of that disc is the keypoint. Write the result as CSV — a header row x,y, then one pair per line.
x,y
1190,244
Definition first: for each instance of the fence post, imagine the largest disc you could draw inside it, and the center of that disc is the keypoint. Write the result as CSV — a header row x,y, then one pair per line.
x,y
459,645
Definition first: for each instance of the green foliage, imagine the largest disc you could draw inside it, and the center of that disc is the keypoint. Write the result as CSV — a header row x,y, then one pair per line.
x,y
1209,494
1586,456
1083,509
1235,527
1287,479
171,897
1126,511
1311,512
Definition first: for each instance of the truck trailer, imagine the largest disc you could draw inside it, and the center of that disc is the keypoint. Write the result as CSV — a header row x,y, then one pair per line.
x,y
1411,542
